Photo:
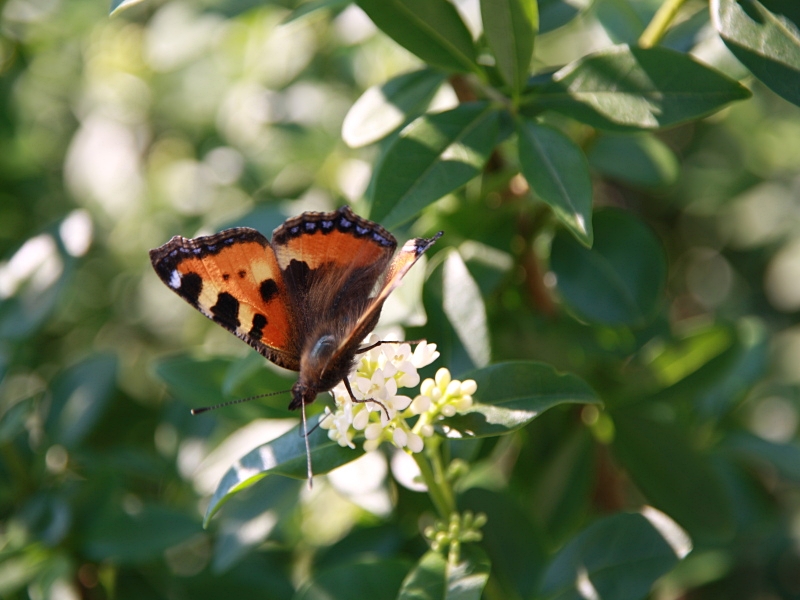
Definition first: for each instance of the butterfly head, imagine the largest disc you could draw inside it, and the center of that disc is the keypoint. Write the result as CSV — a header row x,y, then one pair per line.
x,y
322,366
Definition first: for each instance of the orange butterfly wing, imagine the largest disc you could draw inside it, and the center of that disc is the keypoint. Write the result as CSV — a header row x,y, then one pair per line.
x,y
234,279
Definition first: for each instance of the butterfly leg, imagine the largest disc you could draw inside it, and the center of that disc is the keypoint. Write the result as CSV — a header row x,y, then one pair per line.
x,y
376,344
354,399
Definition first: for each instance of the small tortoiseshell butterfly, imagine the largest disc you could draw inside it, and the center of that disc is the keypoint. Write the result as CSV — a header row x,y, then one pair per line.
x,y
306,301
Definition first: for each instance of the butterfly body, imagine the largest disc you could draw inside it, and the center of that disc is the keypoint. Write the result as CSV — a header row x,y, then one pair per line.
x,y
306,300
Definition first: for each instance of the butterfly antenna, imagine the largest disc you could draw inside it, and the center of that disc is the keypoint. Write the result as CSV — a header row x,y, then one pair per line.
x,y
197,411
308,449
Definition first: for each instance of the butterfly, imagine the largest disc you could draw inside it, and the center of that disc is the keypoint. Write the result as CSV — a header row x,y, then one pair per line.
x,y
306,300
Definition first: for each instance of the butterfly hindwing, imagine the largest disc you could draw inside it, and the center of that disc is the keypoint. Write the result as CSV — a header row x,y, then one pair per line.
x,y
411,251
233,278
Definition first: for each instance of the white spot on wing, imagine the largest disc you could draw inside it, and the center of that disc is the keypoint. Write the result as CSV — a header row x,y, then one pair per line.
x,y
175,280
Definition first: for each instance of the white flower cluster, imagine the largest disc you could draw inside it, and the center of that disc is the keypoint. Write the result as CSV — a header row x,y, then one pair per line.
x,y
379,374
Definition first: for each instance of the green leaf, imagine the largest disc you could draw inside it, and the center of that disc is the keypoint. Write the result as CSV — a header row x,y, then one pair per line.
x,y
766,43
620,280
433,156
256,511
376,580
510,27
561,495
713,369
463,305
641,160
142,537
623,88
308,8
510,395
285,455
120,5
671,474
431,29
783,456
205,382
556,13
618,557
514,544
433,578
557,171
382,109
80,395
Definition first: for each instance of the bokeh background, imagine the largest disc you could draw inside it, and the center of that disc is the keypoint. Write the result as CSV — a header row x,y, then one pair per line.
x,y
179,117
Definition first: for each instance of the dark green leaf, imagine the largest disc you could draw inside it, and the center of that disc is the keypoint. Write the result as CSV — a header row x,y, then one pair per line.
x,y
206,382
514,544
555,13
431,29
562,494
510,395
639,160
557,171
433,156
623,88
80,394
142,537
673,476
783,456
767,43
618,557
620,280
382,109
285,455
433,578
509,27
378,580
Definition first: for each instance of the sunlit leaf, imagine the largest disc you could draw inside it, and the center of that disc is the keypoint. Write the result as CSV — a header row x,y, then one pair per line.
x,y
382,109
767,43
510,395
434,578
557,171
376,580
624,88
285,455
433,156
509,27
620,279
618,557
251,517
431,29
120,5
463,305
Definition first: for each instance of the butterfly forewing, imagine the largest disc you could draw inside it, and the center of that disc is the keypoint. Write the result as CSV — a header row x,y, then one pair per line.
x,y
233,278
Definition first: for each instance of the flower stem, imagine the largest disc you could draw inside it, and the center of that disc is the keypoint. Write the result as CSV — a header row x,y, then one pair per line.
x,y
657,28
430,467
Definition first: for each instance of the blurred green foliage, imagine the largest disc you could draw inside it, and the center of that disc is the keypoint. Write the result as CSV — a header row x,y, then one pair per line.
x,y
621,232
